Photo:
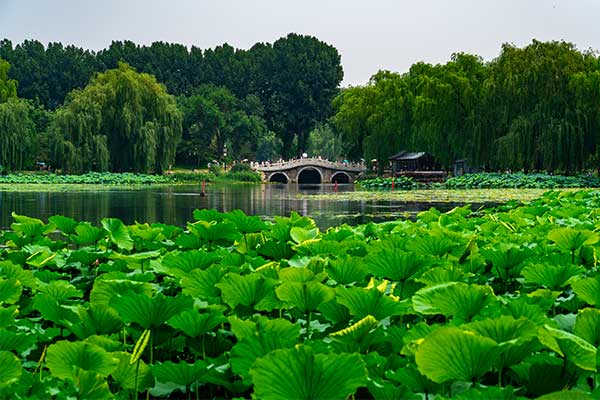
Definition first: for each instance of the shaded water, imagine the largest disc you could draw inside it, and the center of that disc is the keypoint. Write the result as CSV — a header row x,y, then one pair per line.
x,y
175,204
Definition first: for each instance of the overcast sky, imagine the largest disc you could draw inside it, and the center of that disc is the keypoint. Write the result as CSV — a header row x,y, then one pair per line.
x,y
369,34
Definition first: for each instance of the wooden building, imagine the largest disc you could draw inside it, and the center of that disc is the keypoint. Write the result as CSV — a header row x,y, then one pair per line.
x,y
421,166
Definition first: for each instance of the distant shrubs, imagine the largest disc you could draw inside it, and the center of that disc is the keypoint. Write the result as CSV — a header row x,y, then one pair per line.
x,y
401,182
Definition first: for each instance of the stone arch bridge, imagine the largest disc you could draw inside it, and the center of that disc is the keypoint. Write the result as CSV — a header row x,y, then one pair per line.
x,y
310,170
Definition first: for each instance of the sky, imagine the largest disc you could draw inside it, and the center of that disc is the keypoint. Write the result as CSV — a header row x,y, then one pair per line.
x,y
369,34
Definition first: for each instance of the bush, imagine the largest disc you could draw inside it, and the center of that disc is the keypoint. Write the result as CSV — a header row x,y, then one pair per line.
x,y
241,167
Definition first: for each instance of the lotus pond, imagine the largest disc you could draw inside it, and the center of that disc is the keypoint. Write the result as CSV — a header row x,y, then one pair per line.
x,y
500,303
174,204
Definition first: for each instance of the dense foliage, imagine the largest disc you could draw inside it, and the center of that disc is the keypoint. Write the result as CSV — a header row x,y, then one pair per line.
x,y
401,182
122,121
496,304
532,108
228,96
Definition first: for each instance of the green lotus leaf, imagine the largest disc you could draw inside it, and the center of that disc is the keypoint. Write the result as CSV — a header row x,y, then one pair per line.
x,y
10,290
19,342
87,234
394,265
9,270
258,339
317,247
41,258
245,223
362,302
7,316
105,289
117,233
487,392
96,319
52,310
506,258
551,276
87,256
572,347
28,226
11,369
346,271
248,290
180,263
524,307
299,373
300,275
276,250
201,284
334,311
566,395
570,239
306,297
587,325
588,290
92,386
410,377
516,337
208,215
149,312
66,359
300,235
455,299
357,331
182,373
438,275
125,373
358,336
436,245
60,290
65,224
195,324
454,354
215,232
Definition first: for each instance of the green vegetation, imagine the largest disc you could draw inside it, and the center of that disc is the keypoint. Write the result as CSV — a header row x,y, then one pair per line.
x,y
259,103
495,304
401,182
532,108
487,180
520,180
110,178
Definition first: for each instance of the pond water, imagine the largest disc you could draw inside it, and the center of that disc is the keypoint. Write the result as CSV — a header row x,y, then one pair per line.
x,y
175,204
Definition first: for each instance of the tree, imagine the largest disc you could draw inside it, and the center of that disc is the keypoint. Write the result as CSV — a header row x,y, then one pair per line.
x,y
325,142
214,117
122,121
17,129
8,87
300,76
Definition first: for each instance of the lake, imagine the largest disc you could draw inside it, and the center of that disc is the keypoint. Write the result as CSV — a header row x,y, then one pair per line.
x,y
174,204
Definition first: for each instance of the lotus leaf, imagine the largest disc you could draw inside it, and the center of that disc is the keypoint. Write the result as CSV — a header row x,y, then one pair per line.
x,y
572,347
66,359
455,299
299,373
455,354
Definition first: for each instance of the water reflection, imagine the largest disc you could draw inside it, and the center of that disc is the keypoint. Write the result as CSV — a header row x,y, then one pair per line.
x,y
175,204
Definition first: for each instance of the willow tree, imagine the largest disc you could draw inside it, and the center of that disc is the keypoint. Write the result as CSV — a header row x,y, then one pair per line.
x,y
121,121
16,126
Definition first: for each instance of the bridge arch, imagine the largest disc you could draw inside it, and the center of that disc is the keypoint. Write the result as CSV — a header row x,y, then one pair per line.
x,y
341,177
279,177
309,174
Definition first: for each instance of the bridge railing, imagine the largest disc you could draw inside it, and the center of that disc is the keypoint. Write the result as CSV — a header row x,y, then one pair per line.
x,y
317,162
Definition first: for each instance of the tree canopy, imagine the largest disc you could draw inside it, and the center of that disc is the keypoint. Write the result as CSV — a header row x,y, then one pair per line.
x,y
532,108
122,121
